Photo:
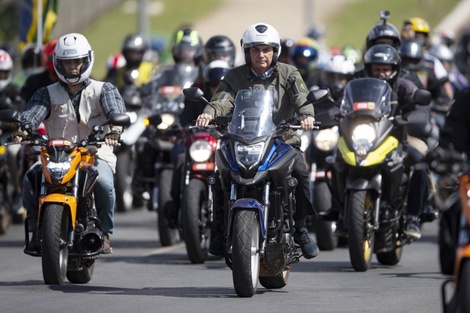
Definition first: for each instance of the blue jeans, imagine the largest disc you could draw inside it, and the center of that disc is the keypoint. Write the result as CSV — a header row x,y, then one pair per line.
x,y
104,195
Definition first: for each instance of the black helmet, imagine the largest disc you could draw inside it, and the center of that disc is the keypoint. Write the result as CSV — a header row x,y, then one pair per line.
x,y
134,43
31,57
220,47
187,46
383,54
411,53
214,72
383,31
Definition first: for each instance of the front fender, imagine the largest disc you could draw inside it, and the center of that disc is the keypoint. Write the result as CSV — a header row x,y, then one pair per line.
x,y
67,200
247,204
375,183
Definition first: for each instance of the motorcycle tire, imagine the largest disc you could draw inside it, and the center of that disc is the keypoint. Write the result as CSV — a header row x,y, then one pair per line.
x,y
123,181
463,287
82,276
361,241
168,235
5,219
245,252
196,224
54,250
447,239
326,240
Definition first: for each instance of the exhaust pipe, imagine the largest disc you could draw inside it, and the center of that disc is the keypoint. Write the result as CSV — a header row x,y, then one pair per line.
x,y
92,240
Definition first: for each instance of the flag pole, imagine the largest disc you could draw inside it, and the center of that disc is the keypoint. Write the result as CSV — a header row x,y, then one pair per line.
x,y
39,26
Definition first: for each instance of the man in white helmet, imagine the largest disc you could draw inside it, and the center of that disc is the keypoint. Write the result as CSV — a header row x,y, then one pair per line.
x,y
69,108
261,46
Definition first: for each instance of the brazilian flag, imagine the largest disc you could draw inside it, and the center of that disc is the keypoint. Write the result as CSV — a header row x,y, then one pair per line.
x,y
29,18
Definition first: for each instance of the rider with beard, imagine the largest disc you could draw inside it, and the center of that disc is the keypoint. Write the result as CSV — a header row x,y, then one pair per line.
x,y
261,46
383,61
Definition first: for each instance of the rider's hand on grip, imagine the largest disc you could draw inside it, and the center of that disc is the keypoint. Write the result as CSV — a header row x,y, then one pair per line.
x,y
18,136
112,138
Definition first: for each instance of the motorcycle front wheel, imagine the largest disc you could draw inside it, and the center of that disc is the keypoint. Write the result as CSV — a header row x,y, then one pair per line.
x,y
54,250
360,237
196,224
245,252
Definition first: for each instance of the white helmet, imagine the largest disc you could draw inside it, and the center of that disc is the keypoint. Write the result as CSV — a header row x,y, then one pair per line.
x,y
70,47
6,65
336,73
260,34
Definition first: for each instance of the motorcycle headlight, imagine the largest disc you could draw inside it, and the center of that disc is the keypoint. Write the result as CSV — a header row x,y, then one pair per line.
x,y
363,137
167,121
200,151
248,155
57,170
326,139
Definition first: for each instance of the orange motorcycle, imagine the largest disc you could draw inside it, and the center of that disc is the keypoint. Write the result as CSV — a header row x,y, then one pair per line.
x,y
68,229
459,301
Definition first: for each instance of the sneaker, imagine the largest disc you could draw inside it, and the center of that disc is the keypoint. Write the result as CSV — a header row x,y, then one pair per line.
x,y
412,227
307,245
106,245
217,245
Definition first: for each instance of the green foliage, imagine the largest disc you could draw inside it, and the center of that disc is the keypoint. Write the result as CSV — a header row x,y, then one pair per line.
x,y
351,24
106,34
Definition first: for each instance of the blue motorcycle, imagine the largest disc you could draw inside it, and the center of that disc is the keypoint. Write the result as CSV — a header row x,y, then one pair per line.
x,y
254,179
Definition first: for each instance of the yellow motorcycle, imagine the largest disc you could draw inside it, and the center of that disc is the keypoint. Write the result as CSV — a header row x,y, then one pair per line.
x,y
374,177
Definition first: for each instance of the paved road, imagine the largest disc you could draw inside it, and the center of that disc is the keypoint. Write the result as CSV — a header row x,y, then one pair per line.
x,y
143,276
291,18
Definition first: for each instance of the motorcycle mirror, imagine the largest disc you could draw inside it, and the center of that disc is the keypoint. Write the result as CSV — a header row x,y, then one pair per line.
x,y
130,77
119,119
194,93
318,95
9,115
422,97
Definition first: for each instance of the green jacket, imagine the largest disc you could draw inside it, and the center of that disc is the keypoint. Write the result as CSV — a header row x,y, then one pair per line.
x,y
286,84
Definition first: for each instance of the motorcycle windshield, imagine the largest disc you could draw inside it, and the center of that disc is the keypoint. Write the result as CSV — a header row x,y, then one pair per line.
x,y
252,115
367,96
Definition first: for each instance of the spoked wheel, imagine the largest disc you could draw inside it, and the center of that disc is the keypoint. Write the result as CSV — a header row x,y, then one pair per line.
x,y
196,224
54,248
245,253
168,234
360,235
